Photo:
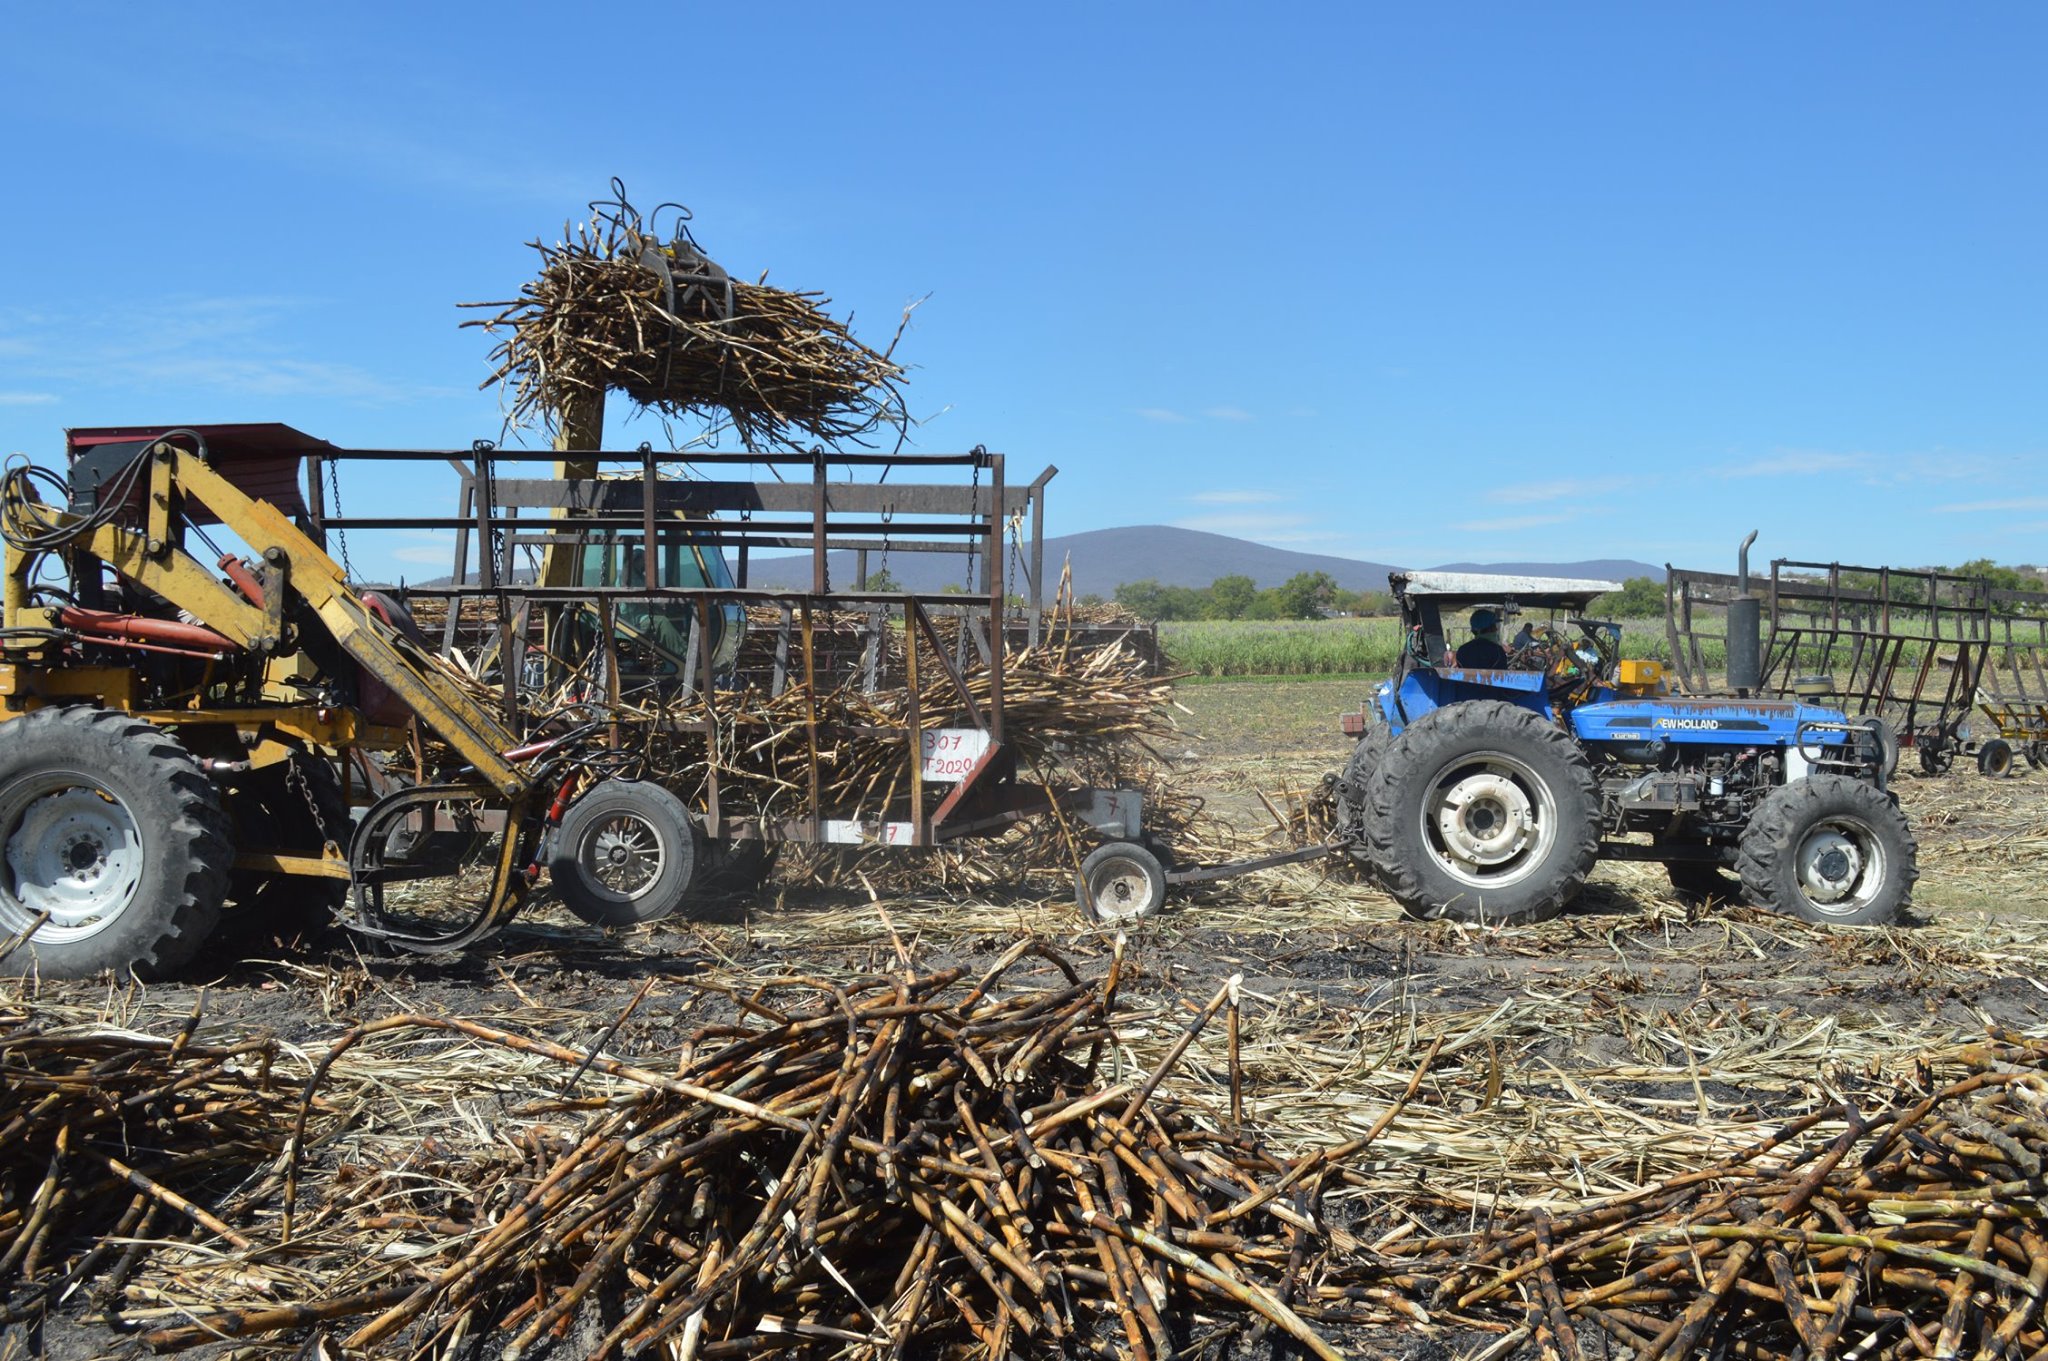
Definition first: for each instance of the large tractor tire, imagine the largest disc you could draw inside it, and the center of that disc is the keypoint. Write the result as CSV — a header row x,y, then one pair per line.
x,y
1351,787
111,827
624,854
1829,849
1483,812
294,807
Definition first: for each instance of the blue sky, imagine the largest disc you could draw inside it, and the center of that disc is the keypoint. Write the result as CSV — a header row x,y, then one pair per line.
x,y
1410,283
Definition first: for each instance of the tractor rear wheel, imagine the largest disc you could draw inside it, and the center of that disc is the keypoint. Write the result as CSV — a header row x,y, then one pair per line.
x,y
624,854
1829,849
112,828
1995,758
1483,812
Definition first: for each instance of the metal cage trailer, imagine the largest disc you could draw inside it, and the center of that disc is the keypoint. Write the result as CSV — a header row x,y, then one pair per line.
x,y
1904,648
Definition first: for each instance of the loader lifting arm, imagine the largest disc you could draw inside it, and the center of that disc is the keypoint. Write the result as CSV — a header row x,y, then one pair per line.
x,y
234,637
154,560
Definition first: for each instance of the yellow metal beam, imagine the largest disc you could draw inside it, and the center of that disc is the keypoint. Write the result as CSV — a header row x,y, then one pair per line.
x,y
411,673
317,866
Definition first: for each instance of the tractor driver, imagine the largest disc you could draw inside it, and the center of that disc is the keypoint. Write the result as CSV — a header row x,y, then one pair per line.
x,y
1483,650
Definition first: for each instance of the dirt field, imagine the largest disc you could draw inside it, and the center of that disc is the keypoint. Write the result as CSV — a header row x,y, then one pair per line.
x,y
1631,1039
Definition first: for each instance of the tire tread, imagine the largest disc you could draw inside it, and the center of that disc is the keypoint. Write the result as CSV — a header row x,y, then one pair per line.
x,y
1473,723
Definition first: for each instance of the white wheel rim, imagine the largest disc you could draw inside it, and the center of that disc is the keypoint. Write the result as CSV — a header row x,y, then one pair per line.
x,y
1488,820
73,851
1839,867
1120,889
623,855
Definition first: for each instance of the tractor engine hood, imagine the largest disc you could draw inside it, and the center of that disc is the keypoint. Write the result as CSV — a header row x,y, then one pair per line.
x,y
1719,722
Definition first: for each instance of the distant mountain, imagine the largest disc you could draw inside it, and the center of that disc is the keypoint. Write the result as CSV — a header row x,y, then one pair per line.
x,y
1104,559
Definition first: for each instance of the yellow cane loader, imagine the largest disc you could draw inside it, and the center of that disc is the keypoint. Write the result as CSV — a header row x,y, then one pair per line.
x,y
175,729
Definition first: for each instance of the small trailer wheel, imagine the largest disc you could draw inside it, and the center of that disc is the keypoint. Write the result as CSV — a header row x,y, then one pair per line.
x,y
2037,754
1119,882
1995,758
624,854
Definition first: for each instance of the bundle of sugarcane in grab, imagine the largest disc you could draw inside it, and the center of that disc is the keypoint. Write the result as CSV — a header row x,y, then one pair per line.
x,y
617,307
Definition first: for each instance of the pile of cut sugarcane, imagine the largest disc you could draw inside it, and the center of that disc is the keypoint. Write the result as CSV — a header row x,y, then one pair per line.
x,y
1910,1228
935,1164
617,308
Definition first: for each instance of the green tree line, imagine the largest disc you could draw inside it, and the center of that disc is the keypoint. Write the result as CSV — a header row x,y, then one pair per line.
x,y
1305,595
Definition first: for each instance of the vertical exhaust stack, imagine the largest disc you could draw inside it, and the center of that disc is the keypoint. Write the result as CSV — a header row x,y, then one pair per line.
x,y
1745,629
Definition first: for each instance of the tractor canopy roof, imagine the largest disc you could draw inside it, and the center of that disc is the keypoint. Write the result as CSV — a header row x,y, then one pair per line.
x,y
1454,589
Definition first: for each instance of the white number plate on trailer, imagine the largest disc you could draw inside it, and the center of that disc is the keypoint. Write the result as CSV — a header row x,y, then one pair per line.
x,y
949,753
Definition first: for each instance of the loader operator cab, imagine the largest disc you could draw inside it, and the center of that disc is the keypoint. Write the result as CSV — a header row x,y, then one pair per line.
x,y
658,633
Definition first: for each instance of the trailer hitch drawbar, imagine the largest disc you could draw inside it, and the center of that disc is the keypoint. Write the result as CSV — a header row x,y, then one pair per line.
x,y
1234,868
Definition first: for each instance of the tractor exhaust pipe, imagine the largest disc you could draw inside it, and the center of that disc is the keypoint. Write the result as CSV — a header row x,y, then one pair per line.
x,y
1745,629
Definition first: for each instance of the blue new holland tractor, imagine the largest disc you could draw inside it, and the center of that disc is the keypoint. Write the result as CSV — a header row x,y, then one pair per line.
x,y
1485,791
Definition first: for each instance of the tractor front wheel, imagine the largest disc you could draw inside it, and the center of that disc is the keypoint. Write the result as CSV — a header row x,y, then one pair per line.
x,y
111,828
1483,812
624,854
1829,849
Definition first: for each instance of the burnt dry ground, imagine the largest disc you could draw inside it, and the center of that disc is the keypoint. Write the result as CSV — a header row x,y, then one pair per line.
x,y
1635,1038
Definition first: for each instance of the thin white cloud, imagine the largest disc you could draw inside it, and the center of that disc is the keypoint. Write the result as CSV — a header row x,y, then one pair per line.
x,y
1256,525
1528,493
242,345
2008,503
1227,413
27,398
1798,463
1241,496
1311,536
1510,522
1161,415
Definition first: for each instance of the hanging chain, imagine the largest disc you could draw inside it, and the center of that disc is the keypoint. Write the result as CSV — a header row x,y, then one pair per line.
x,y
348,571
1017,555
974,502
295,778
